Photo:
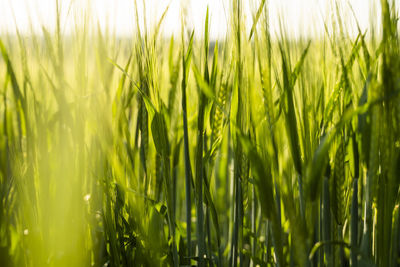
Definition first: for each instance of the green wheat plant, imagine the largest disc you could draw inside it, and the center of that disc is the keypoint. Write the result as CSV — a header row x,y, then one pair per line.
x,y
257,149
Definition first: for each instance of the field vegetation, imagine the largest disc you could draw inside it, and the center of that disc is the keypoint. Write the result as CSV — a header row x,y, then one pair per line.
x,y
257,150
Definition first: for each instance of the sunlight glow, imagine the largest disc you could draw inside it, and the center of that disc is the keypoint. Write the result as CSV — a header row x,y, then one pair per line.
x,y
303,17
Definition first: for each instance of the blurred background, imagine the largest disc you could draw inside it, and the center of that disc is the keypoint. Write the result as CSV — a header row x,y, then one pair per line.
x,y
306,16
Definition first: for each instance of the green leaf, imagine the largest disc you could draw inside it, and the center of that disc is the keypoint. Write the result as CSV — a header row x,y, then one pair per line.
x,y
160,135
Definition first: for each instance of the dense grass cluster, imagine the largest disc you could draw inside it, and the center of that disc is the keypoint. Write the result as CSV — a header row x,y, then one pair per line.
x,y
256,150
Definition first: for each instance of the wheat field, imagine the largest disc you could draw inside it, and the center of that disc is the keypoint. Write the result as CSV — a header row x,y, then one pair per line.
x,y
258,149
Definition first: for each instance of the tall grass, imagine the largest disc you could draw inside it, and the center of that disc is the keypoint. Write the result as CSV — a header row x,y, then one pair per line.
x,y
257,150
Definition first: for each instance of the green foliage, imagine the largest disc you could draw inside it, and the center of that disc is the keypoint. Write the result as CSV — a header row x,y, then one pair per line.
x,y
293,164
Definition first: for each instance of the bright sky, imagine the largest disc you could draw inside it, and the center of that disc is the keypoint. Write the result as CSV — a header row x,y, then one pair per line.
x,y
301,17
